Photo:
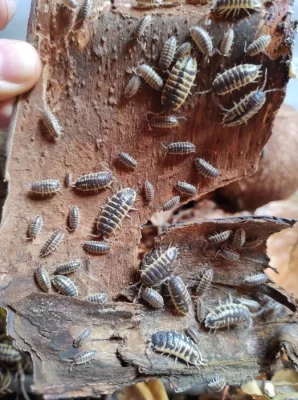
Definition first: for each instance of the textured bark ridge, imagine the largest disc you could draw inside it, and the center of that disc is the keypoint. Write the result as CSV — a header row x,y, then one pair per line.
x,y
86,67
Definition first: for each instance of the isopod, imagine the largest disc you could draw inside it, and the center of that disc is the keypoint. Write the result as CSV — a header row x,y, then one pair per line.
x,y
115,211
9,354
259,45
183,50
179,346
165,122
94,181
68,179
35,227
200,309
82,337
86,9
52,124
150,76
97,298
180,148
186,188
69,267
147,3
152,297
168,53
52,243
202,39
179,83
95,247
239,238
149,191
70,3
142,26
206,169
217,384
156,272
45,186
205,282
227,43
133,86
230,255
127,160
43,279
73,218
83,358
179,295
235,7
256,280
252,305
172,203
193,334
220,237
65,286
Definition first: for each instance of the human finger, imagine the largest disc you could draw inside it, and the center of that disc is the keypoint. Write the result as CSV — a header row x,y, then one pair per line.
x,y
7,10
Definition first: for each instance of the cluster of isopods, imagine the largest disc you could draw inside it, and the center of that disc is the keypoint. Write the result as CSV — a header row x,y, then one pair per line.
x,y
85,356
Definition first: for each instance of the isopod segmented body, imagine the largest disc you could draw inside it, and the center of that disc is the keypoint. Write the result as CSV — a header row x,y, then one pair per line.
x,y
239,238
183,50
235,78
133,86
152,297
142,26
259,45
235,7
94,181
200,309
68,179
70,3
9,354
46,186
206,169
230,255
202,39
35,227
193,334
205,282
52,243
180,148
179,83
177,345
95,247
83,358
83,336
115,211
43,279
217,384
150,76
186,188
220,237
165,122
147,3
172,203
179,295
65,286
127,160
168,53
97,298
155,273
73,218
227,43
68,268
252,305
86,9
256,280
52,124
149,191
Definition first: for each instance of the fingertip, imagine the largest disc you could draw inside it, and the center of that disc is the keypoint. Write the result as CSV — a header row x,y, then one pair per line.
x,y
7,11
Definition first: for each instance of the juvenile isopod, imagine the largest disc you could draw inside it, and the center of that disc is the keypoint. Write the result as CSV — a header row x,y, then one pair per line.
x,y
227,43
52,124
200,309
256,280
205,282
153,298
133,86
34,227
183,50
165,122
95,247
52,243
86,9
150,76
252,305
217,384
65,286
127,160
94,181
206,169
97,298
45,186
73,218
149,191
186,188
193,334
70,3
229,254
8,354
142,26
170,204
43,279
147,3
69,267
202,39
82,337
83,358
239,238
235,7
180,148
179,295
220,237
68,179
259,45
168,53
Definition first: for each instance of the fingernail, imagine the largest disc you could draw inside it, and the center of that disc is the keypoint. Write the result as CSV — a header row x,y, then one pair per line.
x,y
11,5
18,61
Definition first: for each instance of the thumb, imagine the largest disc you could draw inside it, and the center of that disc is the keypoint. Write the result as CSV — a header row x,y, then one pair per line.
x,y
7,10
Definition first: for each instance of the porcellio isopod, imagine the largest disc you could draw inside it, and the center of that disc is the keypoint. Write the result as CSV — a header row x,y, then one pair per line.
x,y
45,186
183,50
9,354
179,83
165,122
81,339
115,211
193,334
43,279
168,53
73,218
52,124
206,169
149,191
220,237
69,267
153,298
127,160
142,26
259,45
202,39
70,3
239,238
65,286
235,7
83,358
177,345
95,247
97,298
156,272
180,148
252,305
170,204
230,255
68,179
256,280
147,3
34,227
217,384
179,295
94,181
86,9
227,43
186,188
150,76
200,309
133,86
205,282
52,243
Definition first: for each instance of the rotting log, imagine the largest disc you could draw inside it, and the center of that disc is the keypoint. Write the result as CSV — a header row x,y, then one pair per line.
x,y
85,71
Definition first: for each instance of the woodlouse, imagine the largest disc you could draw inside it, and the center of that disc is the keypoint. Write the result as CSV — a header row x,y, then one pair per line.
x,y
170,204
68,179
256,280
239,238
52,124
86,9
193,334
229,254
150,76
94,181
205,282
200,309
152,297
147,3
179,83
83,358
142,26
9,354
95,247
180,148
235,7
45,186
69,267
156,272
179,346
133,86
52,243
43,279
97,298
115,211
259,45
65,286
227,43
186,188
168,53
82,337
252,305
202,39
149,191
217,384
34,227
179,295
127,160
220,237
70,3
73,218
183,50
206,168
165,122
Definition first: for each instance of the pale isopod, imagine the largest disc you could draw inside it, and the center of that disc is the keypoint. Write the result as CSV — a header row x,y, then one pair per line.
x,y
193,334
52,124
127,160
235,7
206,169
73,218
239,238
259,45
52,243
69,267
83,358
97,298
165,122
200,309
227,43
179,295
45,186
43,279
230,255
217,384
152,297
94,181
220,237
82,337
180,148
65,286
252,305
70,3
172,203
132,87
86,9
205,282
168,53
202,39
149,191
35,227
256,280
150,76
183,50
186,188
142,26
95,247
